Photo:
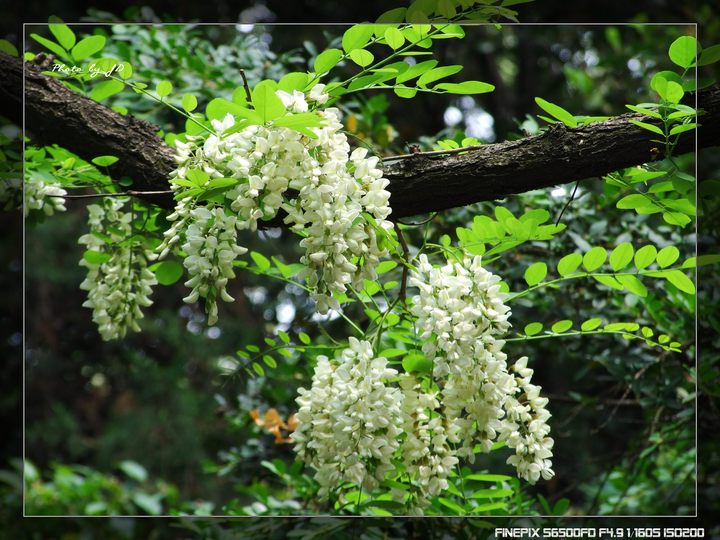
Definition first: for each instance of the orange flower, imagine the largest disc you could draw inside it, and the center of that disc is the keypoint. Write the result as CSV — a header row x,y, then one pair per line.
x,y
274,423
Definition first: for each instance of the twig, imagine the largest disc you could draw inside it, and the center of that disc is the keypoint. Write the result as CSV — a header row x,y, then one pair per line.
x,y
406,256
433,153
572,197
246,86
129,193
417,224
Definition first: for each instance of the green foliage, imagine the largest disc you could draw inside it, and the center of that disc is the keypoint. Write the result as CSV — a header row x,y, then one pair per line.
x,y
528,240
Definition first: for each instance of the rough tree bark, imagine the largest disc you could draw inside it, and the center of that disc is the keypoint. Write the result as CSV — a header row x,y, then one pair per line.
x,y
419,183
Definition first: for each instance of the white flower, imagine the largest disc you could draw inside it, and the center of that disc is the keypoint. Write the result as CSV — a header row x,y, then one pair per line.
x,y
350,420
322,187
211,247
426,452
44,196
118,282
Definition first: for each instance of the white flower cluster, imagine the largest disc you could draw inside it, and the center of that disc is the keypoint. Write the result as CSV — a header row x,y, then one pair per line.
x,y
472,399
461,311
427,454
118,280
350,421
323,188
44,196
211,248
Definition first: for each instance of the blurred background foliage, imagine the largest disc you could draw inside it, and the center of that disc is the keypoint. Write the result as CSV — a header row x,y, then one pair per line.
x,y
161,422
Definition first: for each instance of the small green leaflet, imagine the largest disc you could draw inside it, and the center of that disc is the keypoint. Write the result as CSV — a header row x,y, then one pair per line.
x,y
163,88
683,51
535,273
266,102
262,262
104,161
327,60
557,112
394,38
595,258
189,102
621,256
361,57
466,87
167,272
357,37
87,47
62,33
105,89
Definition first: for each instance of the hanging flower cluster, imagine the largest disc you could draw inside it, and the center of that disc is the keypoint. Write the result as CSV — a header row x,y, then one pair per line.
x,y
350,421
44,196
470,398
322,187
462,313
118,281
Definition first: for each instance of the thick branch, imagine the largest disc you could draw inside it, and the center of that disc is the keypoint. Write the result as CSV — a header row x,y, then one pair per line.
x,y
418,184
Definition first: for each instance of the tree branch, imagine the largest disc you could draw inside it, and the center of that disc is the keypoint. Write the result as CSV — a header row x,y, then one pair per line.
x,y
419,184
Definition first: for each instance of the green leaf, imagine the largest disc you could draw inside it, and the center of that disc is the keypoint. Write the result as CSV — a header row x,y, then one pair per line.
x,y
610,281
591,324
304,338
674,92
635,200
96,257
416,70
293,81
327,60
8,48
709,55
356,37
87,47
562,326
385,267
491,493
51,46
649,127
163,88
487,477
133,470
683,51
63,34
569,264
262,262
189,102
621,256
645,256
466,87
595,258
148,503
682,128
405,91
535,273
266,102
681,281
394,38
533,328
646,112
258,369
105,89
455,507
167,272
633,284
437,74
557,112
417,362
218,108
667,256
361,57
269,361
104,161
